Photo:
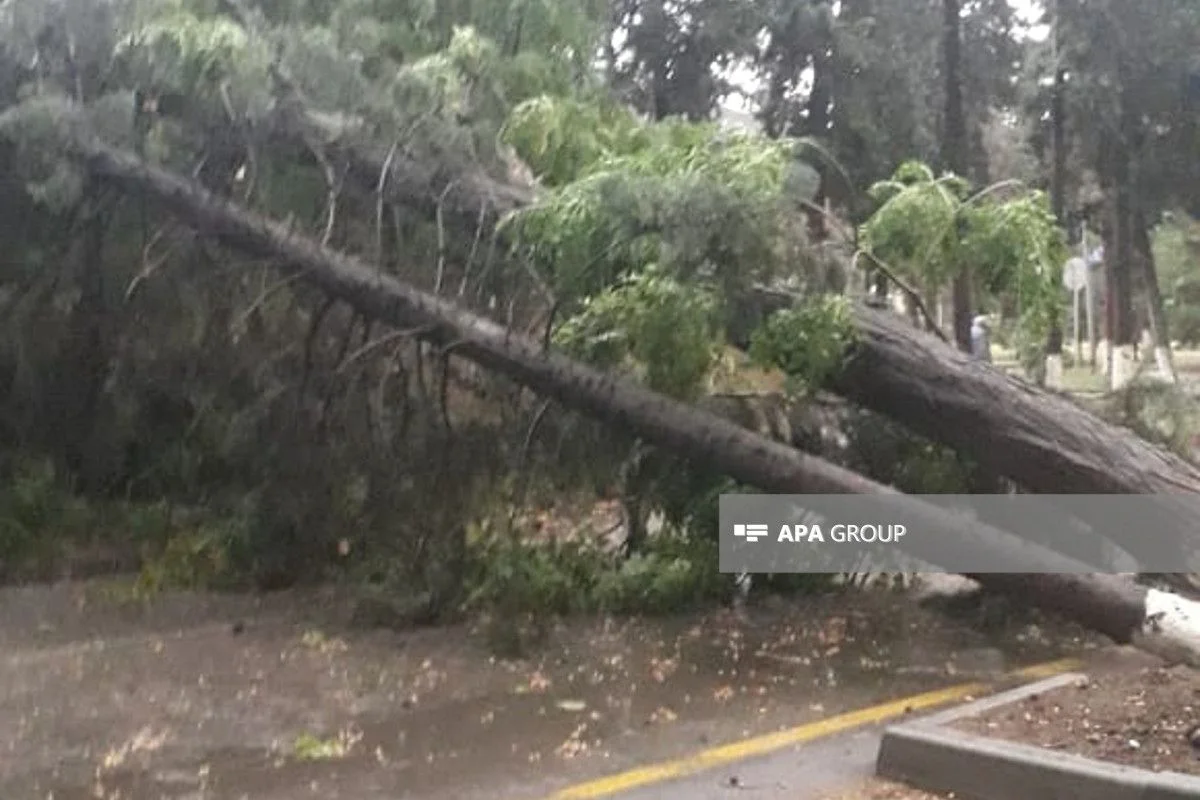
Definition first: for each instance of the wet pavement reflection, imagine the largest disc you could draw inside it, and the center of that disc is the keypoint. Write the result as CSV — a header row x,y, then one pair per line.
x,y
168,702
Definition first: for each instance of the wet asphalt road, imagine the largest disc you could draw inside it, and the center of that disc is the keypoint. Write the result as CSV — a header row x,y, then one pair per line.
x,y
104,700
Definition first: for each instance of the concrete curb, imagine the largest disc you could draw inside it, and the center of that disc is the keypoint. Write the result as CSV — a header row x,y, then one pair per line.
x,y
930,756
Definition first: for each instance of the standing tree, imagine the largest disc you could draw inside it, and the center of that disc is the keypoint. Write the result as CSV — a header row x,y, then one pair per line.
x,y
955,153
1058,188
1129,68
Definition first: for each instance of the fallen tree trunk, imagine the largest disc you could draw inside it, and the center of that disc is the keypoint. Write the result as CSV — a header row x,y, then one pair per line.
x,y
1038,438
1156,621
1012,429
1042,439
1035,437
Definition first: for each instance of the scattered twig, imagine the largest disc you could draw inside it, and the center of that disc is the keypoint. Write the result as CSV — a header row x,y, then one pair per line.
x,y
441,242
327,403
910,292
479,224
334,181
370,347
150,266
251,154
444,391
265,294
548,331
522,488
310,341
379,187
405,406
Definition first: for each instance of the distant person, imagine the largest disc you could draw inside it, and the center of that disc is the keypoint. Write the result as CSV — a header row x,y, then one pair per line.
x,y
981,345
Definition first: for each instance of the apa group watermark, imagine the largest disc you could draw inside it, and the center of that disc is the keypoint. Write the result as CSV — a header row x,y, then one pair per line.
x,y
818,533
839,533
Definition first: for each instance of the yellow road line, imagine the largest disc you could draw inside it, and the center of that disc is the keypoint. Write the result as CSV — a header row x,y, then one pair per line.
x,y
761,745
1048,669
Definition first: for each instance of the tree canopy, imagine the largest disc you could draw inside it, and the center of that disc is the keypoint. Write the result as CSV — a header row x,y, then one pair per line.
x,y
570,169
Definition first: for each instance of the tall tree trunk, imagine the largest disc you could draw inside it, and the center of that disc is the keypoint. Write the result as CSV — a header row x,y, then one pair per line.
x,y
654,26
1119,265
1119,262
1156,621
955,152
1058,191
1155,310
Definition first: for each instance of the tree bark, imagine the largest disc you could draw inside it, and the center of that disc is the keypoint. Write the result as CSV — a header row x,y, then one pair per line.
x,y
1155,310
1058,189
1039,438
1119,261
954,152
1158,622
1075,452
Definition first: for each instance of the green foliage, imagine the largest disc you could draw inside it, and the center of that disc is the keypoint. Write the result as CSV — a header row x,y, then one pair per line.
x,y
441,81
808,343
1158,412
916,228
197,56
192,559
564,577
668,329
1176,246
646,229
1183,321
562,138
517,576
1019,250
34,508
893,456
42,522
52,181
674,574
699,202
308,747
929,229
689,498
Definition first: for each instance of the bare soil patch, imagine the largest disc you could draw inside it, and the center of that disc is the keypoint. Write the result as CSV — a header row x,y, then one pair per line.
x,y
1135,715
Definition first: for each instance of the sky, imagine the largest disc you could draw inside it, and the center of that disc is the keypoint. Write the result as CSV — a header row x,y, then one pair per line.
x,y
1027,13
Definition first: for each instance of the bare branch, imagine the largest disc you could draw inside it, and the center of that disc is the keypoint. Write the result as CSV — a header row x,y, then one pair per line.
x,y
910,292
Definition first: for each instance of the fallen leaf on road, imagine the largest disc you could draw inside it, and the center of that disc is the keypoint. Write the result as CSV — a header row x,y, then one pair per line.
x,y
538,682
664,714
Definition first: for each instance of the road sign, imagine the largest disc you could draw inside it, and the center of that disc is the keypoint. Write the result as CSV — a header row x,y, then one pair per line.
x,y
1075,274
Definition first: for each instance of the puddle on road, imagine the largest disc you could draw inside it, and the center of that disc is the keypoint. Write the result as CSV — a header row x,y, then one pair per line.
x,y
431,715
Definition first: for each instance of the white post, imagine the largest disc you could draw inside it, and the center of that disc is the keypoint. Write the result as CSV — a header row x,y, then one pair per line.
x,y
1163,361
1077,302
1089,301
1124,366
